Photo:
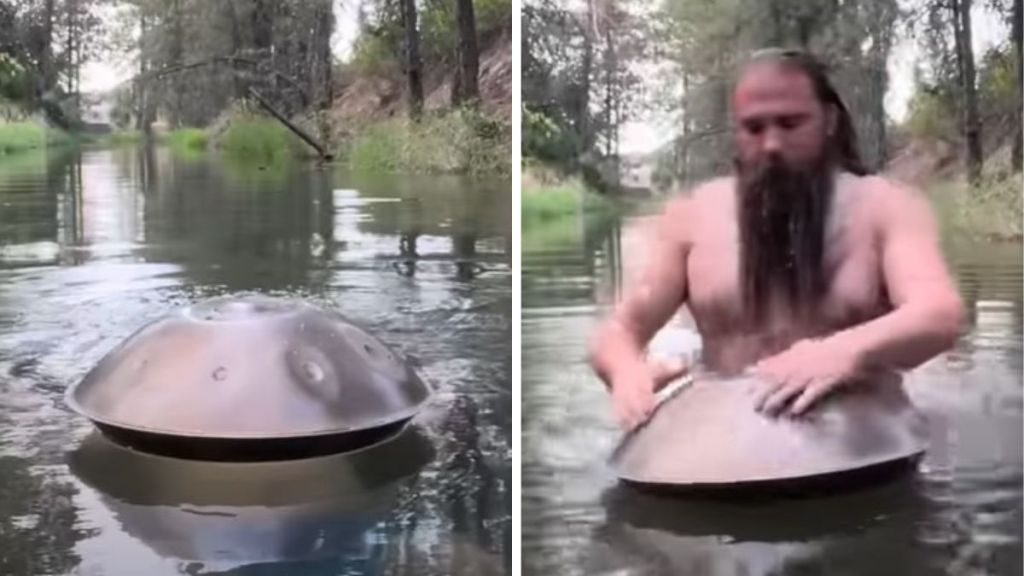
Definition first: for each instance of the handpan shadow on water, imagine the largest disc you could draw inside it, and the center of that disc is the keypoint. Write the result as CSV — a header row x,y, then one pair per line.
x,y
232,515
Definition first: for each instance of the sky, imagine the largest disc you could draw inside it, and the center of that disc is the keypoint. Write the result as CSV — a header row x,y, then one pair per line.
x,y
644,134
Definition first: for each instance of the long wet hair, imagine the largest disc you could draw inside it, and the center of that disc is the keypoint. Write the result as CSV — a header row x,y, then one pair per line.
x,y
783,211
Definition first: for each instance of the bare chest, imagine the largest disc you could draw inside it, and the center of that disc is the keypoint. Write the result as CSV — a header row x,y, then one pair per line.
x,y
853,269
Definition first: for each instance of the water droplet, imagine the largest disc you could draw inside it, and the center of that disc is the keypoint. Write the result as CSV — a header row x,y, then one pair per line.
x,y
220,374
313,371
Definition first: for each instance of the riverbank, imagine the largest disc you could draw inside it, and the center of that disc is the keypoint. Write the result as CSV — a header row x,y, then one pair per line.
x,y
548,196
25,135
459,141
990,211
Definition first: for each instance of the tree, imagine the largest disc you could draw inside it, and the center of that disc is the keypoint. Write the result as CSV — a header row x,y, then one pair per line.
x,y
466,88
413,64
1017,27
965,58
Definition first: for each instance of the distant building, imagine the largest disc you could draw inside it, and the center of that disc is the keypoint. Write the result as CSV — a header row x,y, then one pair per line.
x,y
635,173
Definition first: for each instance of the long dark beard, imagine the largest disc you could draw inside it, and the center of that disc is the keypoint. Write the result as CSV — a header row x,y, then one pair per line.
x,y
782,218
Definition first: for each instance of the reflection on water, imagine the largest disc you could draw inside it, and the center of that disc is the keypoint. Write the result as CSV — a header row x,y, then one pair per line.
x,y
95,244
961,515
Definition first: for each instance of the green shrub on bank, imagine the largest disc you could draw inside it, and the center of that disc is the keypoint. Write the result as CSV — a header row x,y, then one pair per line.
x,y
259,140
567,198
19,136
463,141
188,139
993,209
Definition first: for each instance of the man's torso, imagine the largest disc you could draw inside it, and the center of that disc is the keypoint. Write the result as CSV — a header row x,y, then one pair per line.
x,y
855,292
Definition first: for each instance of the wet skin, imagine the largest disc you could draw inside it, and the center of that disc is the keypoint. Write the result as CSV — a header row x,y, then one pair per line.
x,y
890,304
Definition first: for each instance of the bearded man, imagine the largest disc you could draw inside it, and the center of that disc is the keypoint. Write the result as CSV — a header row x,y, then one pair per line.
x,y
800,266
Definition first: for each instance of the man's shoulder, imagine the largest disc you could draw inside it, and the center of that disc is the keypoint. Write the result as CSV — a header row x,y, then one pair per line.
x,y
701,196
884,189
891,201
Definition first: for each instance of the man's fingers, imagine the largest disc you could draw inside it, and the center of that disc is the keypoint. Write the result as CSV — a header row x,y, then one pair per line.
x,y
777,401
814,392
765,392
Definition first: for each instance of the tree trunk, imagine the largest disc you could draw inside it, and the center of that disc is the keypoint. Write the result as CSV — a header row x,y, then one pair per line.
x,y
466,87
965,57
413,64
239,84
1018,33
46,52
143,119
177,57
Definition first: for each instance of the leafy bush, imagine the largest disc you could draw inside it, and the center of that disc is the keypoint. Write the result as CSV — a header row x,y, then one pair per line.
x,y
931,116
18,136
188,139
259,140
464,141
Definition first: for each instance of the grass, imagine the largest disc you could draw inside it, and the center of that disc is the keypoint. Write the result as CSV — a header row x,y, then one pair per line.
x,y
259,140
991,210
462,141
21,136
552,201
188,140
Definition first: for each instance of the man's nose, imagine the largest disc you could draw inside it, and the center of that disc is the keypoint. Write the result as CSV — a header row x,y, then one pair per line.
x,y
772,142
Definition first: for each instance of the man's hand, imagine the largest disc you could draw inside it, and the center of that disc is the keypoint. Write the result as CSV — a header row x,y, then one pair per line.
x,y
633,390
802,375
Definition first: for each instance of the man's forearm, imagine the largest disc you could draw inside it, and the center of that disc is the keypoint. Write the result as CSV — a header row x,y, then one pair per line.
x,y
615,350
905,338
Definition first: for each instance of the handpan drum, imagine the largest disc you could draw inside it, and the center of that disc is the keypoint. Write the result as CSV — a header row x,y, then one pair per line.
x,y
250,378
706,435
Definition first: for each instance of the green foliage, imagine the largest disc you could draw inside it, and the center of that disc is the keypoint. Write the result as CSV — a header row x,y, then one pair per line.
x,y
556,201
461,141
546,137
188,139
992,209
931,116
258,140
374,55
20,136
378,49
15,81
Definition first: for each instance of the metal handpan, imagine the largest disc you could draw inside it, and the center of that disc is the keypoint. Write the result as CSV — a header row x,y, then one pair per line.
x,y
250,378
707,436
228,514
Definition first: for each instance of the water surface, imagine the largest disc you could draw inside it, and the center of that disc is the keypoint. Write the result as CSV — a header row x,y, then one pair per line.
x,y
95,243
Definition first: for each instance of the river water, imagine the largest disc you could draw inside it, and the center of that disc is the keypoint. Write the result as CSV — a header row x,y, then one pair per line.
x,y
95,243
960,515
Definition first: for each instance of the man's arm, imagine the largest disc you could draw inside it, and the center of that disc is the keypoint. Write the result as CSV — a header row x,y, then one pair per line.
x,y
617,350
924,322
927,311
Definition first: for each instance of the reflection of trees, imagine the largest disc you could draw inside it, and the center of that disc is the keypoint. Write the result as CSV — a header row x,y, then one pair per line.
x,y
260,232
39,521
35,189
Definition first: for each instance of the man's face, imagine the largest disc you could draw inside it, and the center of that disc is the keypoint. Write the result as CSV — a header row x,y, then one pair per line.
x,y
778,117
